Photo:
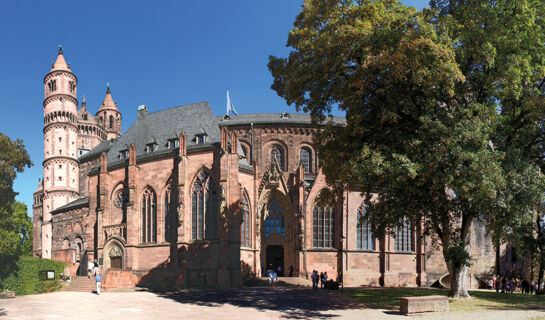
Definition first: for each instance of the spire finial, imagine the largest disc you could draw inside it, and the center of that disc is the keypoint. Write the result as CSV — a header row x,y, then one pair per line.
x,y
60,48
83,98
108,87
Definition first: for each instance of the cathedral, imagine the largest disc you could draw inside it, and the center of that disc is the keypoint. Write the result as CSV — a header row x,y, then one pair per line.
x,y
184,198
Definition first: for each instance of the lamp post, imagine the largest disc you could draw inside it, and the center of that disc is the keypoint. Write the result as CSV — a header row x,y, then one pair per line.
x,y
342,268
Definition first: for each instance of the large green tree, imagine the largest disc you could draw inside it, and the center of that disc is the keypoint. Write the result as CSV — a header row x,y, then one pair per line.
x,y
15,231
13,160
15,225
441,108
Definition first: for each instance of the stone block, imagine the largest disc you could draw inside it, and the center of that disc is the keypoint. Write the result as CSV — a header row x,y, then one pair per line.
x,y
411,305
7,294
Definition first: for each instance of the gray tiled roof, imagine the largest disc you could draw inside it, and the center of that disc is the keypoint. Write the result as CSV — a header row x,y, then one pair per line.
x,y
159,127
271,118
79,203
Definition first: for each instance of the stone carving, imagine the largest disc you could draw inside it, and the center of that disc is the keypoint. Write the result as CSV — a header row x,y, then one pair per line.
x,y
272,177
115,252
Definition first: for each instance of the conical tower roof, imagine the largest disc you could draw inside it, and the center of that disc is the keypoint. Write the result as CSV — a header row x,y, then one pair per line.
x,y
108,102
60,64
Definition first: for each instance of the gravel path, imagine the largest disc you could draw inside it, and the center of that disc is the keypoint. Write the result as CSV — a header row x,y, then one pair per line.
x,y
248,303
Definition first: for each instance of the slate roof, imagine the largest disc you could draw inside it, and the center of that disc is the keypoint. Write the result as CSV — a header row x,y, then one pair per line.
x,y
271,118
158,127
79,203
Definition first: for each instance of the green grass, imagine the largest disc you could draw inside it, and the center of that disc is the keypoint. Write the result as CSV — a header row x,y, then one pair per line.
x,y
481,300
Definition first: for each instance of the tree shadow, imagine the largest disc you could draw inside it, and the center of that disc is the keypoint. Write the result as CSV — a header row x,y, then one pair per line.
x,y
3,312
293,303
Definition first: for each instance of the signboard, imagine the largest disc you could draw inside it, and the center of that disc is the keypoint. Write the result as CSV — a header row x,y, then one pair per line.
x,y
50,275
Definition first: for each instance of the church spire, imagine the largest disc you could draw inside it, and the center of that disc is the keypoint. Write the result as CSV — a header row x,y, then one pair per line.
x,y
60,64
108,102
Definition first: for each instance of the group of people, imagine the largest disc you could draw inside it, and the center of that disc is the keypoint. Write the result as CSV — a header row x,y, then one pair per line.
x,y
273,278
92,270
511,285
319,279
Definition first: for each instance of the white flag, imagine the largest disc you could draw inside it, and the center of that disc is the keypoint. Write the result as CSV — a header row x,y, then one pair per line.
x,y
230,106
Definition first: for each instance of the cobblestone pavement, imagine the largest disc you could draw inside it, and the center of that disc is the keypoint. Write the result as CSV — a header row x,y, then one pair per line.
x,y
248,303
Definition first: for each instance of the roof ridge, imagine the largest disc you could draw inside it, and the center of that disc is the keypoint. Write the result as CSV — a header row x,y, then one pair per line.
x,y
176,107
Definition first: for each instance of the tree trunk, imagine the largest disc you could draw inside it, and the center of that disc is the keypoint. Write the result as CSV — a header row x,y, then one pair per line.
x,y
458,284
540,274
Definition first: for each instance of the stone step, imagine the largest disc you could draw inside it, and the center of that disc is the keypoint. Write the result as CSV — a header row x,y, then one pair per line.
x,y
82,284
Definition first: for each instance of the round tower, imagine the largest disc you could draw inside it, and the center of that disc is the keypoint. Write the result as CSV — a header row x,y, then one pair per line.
x,y
61,170
109,117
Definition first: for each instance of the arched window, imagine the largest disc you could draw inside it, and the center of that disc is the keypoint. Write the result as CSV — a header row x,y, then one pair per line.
x,y
305,156
364,233
111,122
167,214
274,223
404,236
204,207
245,238
323,231
276,152
149,216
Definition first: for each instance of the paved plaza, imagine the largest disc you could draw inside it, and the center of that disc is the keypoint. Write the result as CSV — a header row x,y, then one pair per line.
x,y
248,303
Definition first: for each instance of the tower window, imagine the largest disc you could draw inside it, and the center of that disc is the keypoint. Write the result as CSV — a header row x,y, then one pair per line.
x,y
72,86
85,116
111,122
52,85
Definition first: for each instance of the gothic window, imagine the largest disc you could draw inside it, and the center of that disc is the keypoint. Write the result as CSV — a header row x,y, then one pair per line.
x,y
275,223
306,157
245,238
323,230
203,207
276,152
167,213
403,236
71,85
364,233
149,216
111,122
84,116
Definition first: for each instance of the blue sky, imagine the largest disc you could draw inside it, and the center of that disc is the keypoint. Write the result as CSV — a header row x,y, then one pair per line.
x,y
158,53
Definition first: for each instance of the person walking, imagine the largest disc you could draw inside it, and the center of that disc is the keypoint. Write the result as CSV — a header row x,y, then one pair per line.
x,y
90,266
274,279
291,271
98,280
325,280
270,278
95,267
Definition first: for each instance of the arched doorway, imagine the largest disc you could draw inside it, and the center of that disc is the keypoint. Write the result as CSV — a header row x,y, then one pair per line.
x,y
275,259
275,244
113,257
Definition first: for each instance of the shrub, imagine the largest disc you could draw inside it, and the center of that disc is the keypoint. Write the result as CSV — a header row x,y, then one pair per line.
x,y
22,274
